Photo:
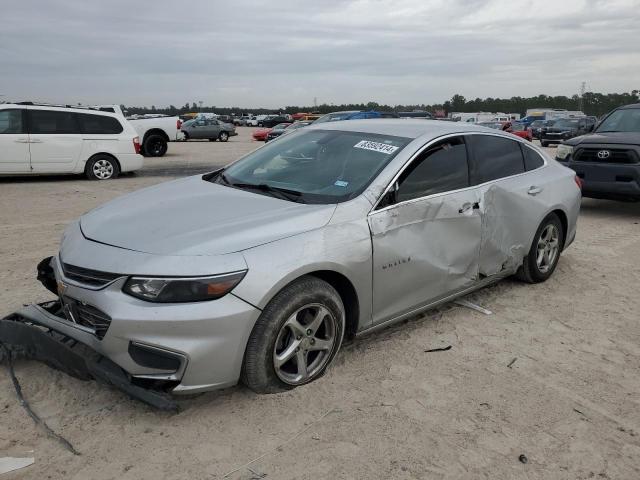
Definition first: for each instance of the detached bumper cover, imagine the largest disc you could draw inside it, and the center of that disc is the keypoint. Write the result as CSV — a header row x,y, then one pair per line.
x,y
24,335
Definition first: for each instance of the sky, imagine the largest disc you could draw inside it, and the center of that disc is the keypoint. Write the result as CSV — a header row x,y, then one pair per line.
x,y
288,52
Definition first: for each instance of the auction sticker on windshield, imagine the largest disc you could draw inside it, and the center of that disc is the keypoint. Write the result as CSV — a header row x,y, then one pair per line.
x,y
376,147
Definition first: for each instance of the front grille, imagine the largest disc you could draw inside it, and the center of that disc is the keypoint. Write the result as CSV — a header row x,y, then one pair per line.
x,y
86,276
86,315
616,155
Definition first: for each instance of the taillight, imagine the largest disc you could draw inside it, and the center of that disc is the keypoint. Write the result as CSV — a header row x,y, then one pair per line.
x,y
178,124
136,144
578,181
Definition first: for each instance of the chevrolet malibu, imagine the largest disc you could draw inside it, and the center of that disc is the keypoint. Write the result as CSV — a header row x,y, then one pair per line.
x,y
258,271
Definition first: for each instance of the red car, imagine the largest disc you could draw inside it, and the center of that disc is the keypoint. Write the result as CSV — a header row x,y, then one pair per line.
x,y
261,134
519,129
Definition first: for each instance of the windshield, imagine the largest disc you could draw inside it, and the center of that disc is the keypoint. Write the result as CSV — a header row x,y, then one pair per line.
x,y
322,166
281,126
627,120
518,127
566,123
334,117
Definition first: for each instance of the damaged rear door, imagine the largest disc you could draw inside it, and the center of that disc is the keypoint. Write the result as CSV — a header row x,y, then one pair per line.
x,y
425,232
512,200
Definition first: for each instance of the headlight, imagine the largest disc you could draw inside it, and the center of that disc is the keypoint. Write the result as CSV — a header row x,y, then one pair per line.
x,y
189,289
563,151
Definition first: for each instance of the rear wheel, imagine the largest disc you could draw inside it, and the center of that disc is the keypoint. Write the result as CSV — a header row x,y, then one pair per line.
x,y
545,250
543,143
155,146
296,337
223,137
101,167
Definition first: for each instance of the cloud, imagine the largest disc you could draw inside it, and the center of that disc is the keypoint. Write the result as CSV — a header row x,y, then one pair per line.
x,y
288,52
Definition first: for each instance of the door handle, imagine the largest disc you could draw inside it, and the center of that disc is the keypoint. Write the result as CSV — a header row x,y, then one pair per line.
x,y
35,140
468,206
533,190
21,140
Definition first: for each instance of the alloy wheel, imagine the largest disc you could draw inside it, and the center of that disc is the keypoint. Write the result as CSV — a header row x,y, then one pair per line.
x,y
103,169
548,248
305,344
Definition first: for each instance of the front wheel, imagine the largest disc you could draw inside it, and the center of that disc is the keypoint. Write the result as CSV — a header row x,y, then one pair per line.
x,y
102,167
544,254
223,137
296,337
543,143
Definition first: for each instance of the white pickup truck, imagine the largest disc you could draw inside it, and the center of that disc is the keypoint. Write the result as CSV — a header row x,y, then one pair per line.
x,y
155,131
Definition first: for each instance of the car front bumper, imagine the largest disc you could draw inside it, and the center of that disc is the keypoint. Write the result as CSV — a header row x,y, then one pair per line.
x,y
607,180
555,137
185,347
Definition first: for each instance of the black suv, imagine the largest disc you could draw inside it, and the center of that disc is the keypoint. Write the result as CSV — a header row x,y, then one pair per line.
x,y
271,122
608,160
566,128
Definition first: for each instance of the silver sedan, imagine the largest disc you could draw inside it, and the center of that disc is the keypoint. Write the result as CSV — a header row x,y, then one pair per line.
x,y
258,271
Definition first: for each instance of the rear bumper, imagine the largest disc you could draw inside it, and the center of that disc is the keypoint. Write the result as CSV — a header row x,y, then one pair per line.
x,y
130,162
608,180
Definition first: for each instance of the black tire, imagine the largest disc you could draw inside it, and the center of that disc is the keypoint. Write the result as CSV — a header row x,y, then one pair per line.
x,y
260,124
102,167
530,271
186,136
543,143
223,136
258,369
155,145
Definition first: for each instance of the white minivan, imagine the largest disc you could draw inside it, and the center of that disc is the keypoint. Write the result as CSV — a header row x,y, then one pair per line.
x,y
46,139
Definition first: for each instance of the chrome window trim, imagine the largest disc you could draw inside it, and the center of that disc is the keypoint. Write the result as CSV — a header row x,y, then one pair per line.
x,y
434,195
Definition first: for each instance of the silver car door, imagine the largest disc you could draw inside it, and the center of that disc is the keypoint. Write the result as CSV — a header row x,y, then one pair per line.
x,y
512,200
425,232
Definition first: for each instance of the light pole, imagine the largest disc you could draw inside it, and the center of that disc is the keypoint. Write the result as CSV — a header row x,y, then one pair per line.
x,y
200,102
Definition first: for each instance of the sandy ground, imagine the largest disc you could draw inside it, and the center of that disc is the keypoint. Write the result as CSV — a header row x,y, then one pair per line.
x,y
386,409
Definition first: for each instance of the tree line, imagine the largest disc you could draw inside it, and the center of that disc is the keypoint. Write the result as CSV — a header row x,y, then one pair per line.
x,y
591,103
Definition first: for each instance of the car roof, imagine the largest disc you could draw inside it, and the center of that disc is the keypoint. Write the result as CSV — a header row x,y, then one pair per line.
x,y
60,108
633,105
399,127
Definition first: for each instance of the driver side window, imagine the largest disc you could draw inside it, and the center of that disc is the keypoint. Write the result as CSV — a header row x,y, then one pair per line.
x,y
441,168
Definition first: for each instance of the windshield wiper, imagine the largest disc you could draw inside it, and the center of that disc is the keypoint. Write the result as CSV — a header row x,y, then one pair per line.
x,y
283,193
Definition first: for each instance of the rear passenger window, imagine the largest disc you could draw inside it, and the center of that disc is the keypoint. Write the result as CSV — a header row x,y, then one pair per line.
x,y
532,159
494,157
49,121
11,121
442,168
99,124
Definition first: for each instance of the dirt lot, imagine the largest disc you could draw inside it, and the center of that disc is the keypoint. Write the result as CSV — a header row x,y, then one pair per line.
x,y
386,409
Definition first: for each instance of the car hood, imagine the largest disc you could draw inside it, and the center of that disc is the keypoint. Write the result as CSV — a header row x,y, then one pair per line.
x,y
623,138
192,216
